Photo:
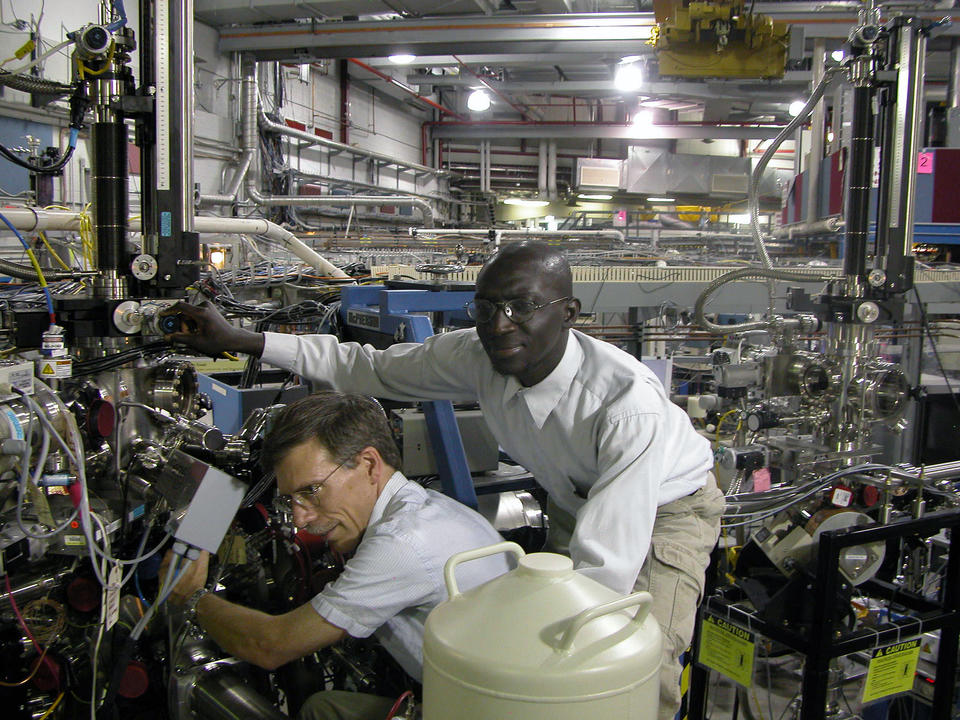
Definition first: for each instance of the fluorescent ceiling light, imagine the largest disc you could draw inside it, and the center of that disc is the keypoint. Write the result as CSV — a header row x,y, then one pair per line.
x,y
795,107
402,59
738,219
628,78
660,199
598,196
525,202
478,101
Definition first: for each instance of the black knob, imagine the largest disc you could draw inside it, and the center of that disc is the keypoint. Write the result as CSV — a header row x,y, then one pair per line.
x,y
762,419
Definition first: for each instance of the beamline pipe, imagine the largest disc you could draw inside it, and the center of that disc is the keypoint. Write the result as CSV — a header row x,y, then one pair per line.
x,y
497,234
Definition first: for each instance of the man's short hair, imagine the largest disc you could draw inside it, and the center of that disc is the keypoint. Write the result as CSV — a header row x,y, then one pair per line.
x,y
343,423
542,258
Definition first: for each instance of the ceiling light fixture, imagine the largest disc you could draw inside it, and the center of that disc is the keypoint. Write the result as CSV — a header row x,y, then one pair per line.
x,y
795,107
478,101
660,200
525,202
628,77
402,58
599,196
643,119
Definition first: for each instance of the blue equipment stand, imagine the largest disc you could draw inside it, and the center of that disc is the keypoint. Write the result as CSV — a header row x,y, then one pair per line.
x,y
398,314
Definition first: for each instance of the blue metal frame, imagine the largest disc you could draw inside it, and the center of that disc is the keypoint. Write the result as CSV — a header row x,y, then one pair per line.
x,y
936,233
394,313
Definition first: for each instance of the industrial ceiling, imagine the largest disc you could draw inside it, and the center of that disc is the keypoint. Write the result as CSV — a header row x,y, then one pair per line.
x,y
541,47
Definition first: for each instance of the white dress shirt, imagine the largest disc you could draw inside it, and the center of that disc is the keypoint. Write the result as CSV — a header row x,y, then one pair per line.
x,y
395,577
599,433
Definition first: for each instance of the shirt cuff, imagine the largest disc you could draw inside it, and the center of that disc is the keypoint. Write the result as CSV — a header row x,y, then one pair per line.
x,y
337,617
279,349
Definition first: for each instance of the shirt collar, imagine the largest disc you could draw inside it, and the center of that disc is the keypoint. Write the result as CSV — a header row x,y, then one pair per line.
x,y
396,481
543,397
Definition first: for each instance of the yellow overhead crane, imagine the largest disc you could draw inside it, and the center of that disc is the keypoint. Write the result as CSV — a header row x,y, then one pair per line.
x,y
718,39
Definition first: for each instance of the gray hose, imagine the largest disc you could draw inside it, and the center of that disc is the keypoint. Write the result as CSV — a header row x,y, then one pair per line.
x,y
26,272
753,197
32,85
757,273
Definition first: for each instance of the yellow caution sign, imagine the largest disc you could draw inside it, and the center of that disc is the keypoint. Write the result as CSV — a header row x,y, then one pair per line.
x,y
891,670
49,368
728,649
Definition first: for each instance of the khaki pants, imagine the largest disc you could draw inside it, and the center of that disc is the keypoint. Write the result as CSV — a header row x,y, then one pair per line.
x,y
343,705
684,534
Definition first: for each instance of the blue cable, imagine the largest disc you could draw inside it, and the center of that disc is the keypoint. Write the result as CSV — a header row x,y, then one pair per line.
x,y
46,290
119,23
136,583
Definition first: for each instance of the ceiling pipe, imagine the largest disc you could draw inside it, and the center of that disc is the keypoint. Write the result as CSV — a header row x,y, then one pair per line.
x,y
344,71
542,170
406,88
817,132
552,169
248,140
229,197
311,139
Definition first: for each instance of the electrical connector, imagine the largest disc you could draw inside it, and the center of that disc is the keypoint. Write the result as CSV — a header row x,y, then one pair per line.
x,y
13,446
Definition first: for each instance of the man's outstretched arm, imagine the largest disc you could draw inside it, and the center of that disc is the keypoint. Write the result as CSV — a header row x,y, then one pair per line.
x,y
203,328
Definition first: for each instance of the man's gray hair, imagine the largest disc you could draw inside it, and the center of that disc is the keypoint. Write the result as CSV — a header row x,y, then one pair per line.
x,y
343,424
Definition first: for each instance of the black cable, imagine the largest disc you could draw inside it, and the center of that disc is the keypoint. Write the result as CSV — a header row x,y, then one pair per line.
x,y
112,361
79,102
54,169
936,352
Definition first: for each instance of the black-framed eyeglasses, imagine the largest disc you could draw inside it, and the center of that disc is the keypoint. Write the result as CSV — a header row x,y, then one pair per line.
x,y
306,497
518,310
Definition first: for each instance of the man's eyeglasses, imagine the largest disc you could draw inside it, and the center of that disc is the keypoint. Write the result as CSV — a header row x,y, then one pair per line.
x,y
518,310
304,497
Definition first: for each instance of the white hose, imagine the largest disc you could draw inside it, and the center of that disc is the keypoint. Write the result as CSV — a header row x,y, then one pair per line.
x,y
31,220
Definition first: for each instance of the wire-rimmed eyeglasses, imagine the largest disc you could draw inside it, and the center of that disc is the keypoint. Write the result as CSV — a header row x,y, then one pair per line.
x,y
306,497
518,310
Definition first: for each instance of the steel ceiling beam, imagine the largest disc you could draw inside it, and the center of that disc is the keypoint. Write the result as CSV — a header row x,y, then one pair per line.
x,y
606,88
616,33
835,19
513,59
559,131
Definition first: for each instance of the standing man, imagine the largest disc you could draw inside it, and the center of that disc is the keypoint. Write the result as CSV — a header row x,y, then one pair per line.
x,y
631,494
336,465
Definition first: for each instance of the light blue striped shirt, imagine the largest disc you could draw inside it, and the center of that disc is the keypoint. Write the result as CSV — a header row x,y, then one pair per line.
x,y
395,578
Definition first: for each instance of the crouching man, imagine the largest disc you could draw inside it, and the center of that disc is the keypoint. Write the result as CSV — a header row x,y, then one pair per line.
x,y
336,466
